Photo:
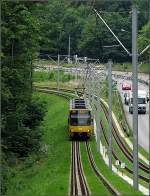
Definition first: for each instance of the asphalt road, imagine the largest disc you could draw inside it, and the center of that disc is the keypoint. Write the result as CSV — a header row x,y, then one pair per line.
x,y
143,119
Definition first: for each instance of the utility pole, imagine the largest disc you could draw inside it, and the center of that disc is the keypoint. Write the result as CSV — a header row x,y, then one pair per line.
x,y
110,112
76,74
93,88
58,63
69,50
98,115
85,77
89,84
149,89
135,96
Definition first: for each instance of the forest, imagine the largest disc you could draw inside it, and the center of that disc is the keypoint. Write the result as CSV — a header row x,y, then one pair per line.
x,y
31,28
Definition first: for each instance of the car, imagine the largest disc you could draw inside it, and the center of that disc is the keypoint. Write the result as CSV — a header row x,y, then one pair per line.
x,y
142,99
147,97
126,98
126,86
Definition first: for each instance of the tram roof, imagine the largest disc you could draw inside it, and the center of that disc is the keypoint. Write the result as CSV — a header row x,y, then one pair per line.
x,y
80,103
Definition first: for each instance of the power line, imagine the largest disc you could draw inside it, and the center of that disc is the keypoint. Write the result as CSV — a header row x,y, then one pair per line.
x,y
112,33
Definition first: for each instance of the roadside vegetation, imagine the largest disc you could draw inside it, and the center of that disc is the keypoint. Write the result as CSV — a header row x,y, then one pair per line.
x,y
117,108
47,171
118,151
123,187
50,79
127,67
95,185
39,76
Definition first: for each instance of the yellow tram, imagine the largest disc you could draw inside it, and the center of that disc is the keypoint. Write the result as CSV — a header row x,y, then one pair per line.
x,y
80,121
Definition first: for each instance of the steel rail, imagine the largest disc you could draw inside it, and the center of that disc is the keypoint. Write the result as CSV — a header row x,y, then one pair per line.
x,y
67,97
78,183
116,157
83,183
100,176
120,142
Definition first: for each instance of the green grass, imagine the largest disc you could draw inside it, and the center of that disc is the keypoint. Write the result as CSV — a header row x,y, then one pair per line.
x,y
53,84
117,108
143,68
96,186
118,151
123,187
120,115
52,76
50,174
44,76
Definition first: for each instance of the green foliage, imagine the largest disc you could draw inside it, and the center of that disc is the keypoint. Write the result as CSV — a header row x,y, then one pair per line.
x,y
35,113
143,41
89,35
20,113
43,76
48,172
144,68
52,76
21,134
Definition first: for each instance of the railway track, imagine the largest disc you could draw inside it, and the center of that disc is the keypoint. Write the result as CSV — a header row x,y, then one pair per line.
x,y
78,182
41,89
120,143
106,183
123,148
117,158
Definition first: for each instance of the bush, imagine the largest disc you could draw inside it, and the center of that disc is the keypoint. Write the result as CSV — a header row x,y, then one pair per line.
x,y
52,76
21,134
35,113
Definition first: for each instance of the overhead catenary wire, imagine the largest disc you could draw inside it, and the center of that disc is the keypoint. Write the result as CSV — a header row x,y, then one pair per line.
x,y
112,33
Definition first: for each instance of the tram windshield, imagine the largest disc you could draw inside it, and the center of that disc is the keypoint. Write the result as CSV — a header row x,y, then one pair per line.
x,y
80,118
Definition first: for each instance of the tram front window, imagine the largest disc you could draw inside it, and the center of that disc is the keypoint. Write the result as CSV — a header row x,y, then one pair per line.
x,y
80,118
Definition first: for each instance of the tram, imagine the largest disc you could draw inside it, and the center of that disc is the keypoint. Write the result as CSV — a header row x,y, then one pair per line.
x,y
80,120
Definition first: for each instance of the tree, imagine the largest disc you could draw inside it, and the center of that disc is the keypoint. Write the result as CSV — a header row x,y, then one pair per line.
x,y
143,41
20,30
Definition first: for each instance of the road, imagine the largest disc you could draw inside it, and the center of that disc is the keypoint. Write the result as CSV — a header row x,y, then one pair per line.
x,y
143,119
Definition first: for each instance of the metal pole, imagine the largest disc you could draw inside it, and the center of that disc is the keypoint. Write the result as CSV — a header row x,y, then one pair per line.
x,y
85,75
110,112
93,89
135,96
149,103
89,85
76,75
58,72
98,116
69,50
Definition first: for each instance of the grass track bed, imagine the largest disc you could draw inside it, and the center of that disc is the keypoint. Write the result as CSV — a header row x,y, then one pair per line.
x,y
50,175
123,187
95,185
119,153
